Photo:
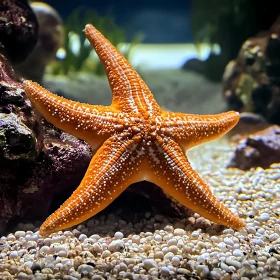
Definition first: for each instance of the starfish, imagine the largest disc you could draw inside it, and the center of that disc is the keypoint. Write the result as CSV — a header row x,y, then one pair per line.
x,y
134,140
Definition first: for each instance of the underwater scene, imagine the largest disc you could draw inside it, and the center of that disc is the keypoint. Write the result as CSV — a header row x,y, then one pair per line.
x,y
139,140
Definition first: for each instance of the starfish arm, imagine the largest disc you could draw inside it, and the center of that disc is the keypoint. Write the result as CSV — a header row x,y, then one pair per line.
x,y
190,130
130,93
93,124
112,169
174,174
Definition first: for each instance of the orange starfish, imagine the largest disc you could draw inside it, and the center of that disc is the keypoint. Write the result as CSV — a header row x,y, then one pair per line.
x,y
135,140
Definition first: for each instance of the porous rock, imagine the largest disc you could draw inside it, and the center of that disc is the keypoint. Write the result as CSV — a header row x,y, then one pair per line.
x,y
18,29
251,81
261,149
37,160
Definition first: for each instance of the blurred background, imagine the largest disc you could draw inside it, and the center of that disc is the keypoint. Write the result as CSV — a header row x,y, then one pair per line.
x,y
197,56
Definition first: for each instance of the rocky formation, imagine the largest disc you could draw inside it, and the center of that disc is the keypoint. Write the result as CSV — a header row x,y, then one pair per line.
x,y
18,30
251,83
261,148
37,160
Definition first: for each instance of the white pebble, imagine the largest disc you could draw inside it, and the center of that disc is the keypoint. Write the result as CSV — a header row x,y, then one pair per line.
x,y
228,241
202,270
173,249
105,254
19,233
169,255
85,269
175,261
179,232
149,263
195,234
136,239
116,246
274,236
118,235
264,217
237,253
165,271
172,241
232,262
11,237
13,255
158,238
82,237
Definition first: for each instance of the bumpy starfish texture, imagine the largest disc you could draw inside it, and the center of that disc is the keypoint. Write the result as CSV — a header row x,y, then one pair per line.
x,y
135,140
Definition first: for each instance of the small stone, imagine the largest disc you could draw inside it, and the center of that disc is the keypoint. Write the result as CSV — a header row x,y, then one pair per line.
x,y
179,232
169,229
36,267
232,262
23,276
172,241
85,269
274,236
136,239
264,217
82,237
116,246
237,253
105,254
165,271
45,250
159,255
202,270
195,234
97,277
158,238
228,241
118,235
19,233
149,263
173,249
183,271
13,255
175,261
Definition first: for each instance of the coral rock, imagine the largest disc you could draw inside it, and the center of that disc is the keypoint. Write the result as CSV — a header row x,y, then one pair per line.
x,y
251,82
33,156
18,29
259,149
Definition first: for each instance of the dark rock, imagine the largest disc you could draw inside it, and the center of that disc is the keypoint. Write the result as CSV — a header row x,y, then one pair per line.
x,y
259,149
50,39
18,29
251,83
211,68
17,141
37,160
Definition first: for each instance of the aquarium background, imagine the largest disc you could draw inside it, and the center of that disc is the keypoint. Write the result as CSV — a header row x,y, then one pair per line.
x,y
196,57
161,21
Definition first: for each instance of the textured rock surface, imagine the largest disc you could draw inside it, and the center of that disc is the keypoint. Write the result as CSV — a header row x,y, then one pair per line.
x,y
36,160
18,29
259,149
50,39
252,82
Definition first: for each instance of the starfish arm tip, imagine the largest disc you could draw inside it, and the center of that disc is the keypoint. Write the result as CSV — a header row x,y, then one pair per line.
x,y
26,82
89,28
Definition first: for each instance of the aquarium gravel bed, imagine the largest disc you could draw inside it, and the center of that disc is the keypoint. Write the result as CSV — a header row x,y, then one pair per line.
x,y
158,247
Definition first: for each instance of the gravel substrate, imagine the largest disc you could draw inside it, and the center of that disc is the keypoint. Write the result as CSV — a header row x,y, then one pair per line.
x,y
157,247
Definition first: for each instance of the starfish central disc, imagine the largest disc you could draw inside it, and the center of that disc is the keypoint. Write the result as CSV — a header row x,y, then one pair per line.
x,y
135,140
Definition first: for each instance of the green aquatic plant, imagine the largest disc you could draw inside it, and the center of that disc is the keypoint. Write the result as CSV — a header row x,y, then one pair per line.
x,y
77,54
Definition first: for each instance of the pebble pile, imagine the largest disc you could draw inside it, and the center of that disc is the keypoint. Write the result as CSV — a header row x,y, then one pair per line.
x,y
159,248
